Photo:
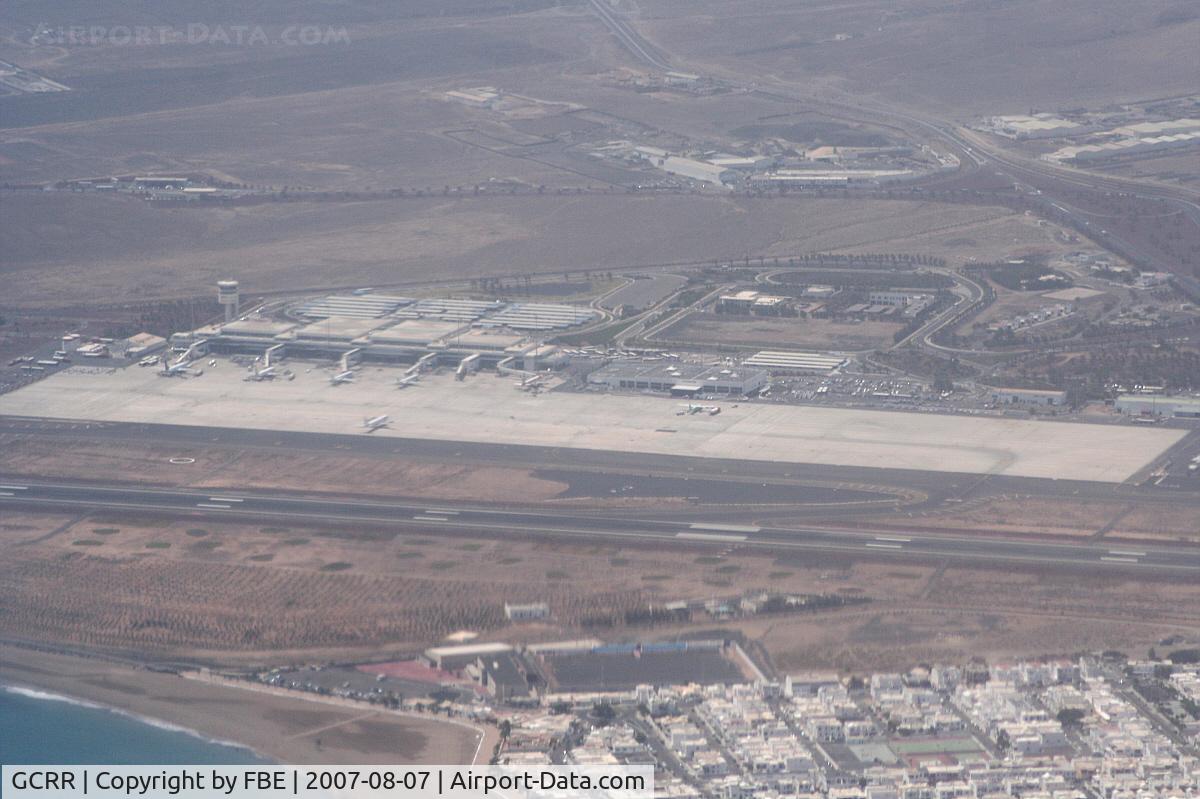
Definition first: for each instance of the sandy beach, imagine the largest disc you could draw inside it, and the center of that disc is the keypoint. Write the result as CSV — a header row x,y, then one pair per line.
x,y
286,729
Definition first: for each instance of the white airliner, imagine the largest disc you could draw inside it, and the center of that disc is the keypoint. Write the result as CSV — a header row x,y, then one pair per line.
x,y
265,373
407,380
342,377
688,409
374,424
177,369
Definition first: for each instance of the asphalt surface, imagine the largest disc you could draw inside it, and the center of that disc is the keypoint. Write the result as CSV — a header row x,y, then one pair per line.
x,y
474,520
926,490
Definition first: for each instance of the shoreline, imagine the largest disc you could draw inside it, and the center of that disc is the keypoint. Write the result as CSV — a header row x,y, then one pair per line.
x,y
40,695
286,729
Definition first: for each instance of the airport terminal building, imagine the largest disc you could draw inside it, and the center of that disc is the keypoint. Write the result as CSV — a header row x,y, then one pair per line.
x,y
1158,405
384,328
680,379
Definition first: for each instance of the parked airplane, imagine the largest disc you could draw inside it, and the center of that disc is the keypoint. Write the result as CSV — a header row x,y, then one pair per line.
x,y
407,380
177,369
375,423
342,377
688,409
265,373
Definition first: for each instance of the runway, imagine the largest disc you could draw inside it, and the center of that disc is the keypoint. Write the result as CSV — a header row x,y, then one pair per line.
x,y
934,487
480,521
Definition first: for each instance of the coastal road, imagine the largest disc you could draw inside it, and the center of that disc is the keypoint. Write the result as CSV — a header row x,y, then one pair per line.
x,y
475,520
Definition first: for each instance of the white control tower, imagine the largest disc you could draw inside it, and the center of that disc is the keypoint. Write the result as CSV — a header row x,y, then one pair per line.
x,y
227,295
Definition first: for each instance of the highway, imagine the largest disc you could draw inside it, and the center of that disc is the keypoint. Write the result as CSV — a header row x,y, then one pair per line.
x,y
475,520
629,38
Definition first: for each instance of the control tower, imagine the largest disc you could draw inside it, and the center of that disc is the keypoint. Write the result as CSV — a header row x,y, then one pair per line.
x,y
227,295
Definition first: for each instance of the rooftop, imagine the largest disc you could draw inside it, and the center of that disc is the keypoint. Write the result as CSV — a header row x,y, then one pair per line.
x,y
416,331
258,327
340,327
778,359
365,306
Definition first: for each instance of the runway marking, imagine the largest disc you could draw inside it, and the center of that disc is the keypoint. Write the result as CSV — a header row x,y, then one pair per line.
x,y
7,494
901,539
441,512
1127,553
212,505
1120,560
710,537
225,499
726,528
430,519
884,546
15,488
592,532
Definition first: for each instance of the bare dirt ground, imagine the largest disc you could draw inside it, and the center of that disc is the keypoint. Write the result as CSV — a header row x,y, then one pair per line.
x,y
1178,169
1040,517
986,58
233,593
121,247
251,468
1010,304
787,332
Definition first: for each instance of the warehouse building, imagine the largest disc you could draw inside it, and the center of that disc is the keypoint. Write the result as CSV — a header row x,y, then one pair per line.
x,y
527,612
701,171
479,97
456,658
780,362
1028,397
1037,126
753,302
143,344
1157,405
684,380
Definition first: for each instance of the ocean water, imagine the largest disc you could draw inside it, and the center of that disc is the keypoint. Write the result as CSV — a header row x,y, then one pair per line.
x,y
42,728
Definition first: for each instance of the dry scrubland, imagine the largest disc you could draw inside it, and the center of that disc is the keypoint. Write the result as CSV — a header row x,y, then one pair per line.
x,y
960,60
785,332
1159,521
353,113
237,594
123,247
253,468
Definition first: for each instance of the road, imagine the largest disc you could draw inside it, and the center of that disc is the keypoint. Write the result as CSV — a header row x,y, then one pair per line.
x,y
629,38
475,520
974,151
